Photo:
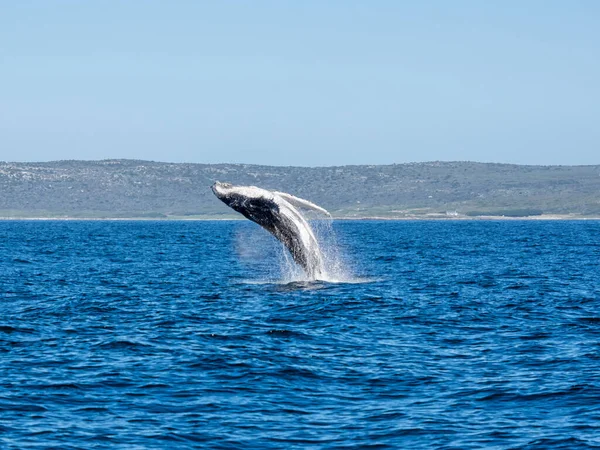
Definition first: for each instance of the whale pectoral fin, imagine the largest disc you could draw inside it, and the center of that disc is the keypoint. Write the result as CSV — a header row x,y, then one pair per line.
x,y
301,203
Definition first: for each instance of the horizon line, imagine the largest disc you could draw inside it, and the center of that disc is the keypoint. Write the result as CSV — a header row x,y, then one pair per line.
x,y
295,166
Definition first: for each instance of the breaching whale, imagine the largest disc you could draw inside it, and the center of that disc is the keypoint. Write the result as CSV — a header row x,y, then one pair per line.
x,y
276,212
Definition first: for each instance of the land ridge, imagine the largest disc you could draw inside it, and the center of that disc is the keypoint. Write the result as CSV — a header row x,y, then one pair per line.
x,y
122,188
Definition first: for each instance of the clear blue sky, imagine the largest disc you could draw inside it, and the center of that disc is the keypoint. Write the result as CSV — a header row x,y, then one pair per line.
x,y
306,82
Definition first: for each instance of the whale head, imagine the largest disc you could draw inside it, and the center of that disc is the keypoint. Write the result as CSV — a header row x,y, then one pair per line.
x,y
222,190
255,203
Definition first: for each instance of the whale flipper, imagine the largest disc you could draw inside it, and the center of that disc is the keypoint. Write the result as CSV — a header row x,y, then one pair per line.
x,y
301,203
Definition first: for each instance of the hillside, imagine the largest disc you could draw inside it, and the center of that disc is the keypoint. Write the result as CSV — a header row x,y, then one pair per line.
x,y
127,188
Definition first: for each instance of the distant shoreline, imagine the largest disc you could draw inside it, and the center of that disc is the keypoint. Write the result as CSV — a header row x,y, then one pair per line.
x,y
120,189
543,217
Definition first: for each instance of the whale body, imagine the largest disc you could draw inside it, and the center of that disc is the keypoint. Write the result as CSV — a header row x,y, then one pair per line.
x,y
277,213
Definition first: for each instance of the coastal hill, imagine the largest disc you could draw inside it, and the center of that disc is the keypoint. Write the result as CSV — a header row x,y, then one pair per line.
x,y
130,188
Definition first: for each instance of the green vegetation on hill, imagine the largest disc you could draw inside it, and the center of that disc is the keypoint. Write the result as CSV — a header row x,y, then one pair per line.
x,y
144,189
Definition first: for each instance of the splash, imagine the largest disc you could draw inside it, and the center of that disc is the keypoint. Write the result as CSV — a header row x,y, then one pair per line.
x,y
334,267
270,258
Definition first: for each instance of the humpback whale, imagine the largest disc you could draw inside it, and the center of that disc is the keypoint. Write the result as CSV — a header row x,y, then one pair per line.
x,y
277,213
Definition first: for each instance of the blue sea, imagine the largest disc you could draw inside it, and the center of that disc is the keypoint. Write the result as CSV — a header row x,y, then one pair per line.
x,y
430,335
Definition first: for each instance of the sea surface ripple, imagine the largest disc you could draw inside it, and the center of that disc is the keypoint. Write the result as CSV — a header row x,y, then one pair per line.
x,y
138,334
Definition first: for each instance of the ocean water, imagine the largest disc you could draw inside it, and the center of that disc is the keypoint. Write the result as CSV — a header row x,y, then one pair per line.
x,y
450,335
